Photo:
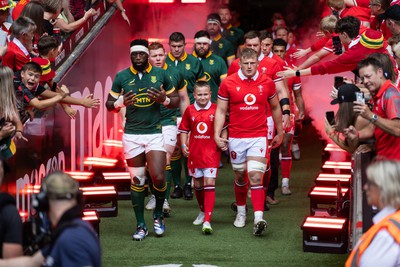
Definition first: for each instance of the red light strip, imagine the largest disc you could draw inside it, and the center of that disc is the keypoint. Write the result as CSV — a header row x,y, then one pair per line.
x,y
193,1
90,216
327,191
343,167
81,175
116,176
324,223
161,1
339,163
114,143
100,161
99,190
31,189
332,175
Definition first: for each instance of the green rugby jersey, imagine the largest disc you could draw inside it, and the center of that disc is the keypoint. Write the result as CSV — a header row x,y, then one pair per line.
x,y
233,35
144,116
223,48
168,115
190,68
215,69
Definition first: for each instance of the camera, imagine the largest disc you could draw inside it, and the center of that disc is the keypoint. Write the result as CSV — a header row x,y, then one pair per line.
x,y
360,97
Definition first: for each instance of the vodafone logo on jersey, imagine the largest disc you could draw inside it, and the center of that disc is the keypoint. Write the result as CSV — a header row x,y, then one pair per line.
x,y
202,128
250,99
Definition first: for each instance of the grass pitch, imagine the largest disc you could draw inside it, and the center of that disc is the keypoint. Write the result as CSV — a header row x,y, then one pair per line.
x,y
184,244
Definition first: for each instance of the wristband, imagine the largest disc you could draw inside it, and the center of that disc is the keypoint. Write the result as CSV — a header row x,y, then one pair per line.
x,y
166,101
123,10
284,101
298,73
286,112
120,102
183,146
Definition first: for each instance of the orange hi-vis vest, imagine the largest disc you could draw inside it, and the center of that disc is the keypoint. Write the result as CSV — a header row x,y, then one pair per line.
x,y
390,223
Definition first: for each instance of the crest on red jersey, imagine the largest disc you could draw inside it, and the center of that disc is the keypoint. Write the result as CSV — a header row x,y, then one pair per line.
x,y
238,88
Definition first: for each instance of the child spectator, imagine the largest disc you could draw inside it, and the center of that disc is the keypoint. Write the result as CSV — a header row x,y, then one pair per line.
x,y
28,89
48,50
204,155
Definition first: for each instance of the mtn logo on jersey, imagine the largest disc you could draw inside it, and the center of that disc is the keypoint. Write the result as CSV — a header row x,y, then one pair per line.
x,y
142,100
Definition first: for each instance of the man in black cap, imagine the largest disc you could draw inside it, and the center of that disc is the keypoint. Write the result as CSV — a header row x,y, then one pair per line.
x,y
392,19
142,89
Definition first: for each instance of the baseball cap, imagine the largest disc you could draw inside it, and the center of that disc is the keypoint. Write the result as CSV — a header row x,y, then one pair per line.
x,y
346,93
393,12
59,185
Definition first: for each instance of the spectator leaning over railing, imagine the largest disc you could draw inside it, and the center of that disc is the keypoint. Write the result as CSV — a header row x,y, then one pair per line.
x,y
385,114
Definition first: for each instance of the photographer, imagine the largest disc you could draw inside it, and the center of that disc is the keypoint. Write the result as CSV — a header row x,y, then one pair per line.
x,y
73,241
385,115
10,223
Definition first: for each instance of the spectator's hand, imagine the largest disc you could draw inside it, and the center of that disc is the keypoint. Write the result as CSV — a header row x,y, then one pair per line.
x,y
19,136
70,111
350,133
320,35
125,17
277,141
88,14
287,73
3,50
363,110
300,53
7,130
334,93
90,102
329,128
365,148
157,95
63,90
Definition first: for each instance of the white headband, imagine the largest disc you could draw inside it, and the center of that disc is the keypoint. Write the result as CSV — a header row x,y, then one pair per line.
x,y
214,21
139,48
202,40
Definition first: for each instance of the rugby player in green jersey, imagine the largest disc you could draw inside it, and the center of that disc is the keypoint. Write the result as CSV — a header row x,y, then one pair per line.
x,y
142,89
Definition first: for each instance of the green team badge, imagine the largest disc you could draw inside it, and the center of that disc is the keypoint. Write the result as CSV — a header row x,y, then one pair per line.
x,y
211,61
187,66
153,79
221,45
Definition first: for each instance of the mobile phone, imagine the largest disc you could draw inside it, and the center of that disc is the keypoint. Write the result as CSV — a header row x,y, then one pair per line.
x,y
360,97
330,117
339,80
337,45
